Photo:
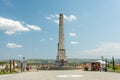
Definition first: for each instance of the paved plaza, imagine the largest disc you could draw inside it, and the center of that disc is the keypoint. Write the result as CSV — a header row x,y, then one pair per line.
x,y
62,75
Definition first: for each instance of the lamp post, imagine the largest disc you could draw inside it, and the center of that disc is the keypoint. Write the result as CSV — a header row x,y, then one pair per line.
x,y
22,63
106,65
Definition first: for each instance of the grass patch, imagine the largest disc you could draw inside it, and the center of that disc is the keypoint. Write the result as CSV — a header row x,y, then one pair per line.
x,y
7,72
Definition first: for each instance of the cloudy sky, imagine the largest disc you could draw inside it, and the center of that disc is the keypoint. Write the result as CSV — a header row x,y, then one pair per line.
x,y
29,28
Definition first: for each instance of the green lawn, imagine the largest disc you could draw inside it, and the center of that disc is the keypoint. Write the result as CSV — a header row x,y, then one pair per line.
x,y
13,72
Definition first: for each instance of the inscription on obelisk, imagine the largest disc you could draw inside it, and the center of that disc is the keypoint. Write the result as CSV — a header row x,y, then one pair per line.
x,y
61,56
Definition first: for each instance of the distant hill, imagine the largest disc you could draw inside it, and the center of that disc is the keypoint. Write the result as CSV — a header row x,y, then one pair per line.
x,y
70,60
45,61
40,61
75,60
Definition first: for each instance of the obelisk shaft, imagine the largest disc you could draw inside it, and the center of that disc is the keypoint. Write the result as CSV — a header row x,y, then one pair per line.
x,y
61,32
61,57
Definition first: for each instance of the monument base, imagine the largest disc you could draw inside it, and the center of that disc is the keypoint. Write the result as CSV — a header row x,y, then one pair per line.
x,y
61,63
61,68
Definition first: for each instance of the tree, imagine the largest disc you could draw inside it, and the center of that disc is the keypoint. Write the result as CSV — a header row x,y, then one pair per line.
x,y
10,65
102,58
2,63
13,65
113,63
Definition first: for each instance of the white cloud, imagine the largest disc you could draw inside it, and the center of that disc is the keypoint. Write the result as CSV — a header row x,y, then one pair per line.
x,y
42,40
13,45
9,32
51,39
20,55
72,34
56,15
67,18
74,42
10,26
103,48
33,27
70,17
52,16
49,18
56,21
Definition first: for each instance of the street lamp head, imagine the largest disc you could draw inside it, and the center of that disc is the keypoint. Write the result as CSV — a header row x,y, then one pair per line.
x,y
23,58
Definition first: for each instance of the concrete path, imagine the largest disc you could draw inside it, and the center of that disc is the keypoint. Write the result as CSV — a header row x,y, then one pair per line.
x,y
62,75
